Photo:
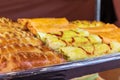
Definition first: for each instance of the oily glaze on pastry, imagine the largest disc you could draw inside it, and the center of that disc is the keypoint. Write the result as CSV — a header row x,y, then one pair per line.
x,y
48,25
21,50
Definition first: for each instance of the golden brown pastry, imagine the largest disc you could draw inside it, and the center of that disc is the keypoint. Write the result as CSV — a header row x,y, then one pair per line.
x,y
113,35
108,32
105,28
20,57
48,25
21,50
6,22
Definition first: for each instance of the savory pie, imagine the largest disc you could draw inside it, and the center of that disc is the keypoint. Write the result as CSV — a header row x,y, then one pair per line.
x,y
21,50
39,42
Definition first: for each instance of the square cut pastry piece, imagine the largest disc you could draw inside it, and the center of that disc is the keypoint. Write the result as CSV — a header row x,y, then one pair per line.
x,y
48,25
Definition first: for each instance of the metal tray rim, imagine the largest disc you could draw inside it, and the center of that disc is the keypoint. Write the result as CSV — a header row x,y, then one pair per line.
x,y
62,67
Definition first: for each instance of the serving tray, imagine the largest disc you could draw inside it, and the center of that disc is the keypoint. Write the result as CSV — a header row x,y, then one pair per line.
x,y
67,70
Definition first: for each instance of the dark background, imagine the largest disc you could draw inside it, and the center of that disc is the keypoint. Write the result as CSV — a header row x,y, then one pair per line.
x,y
71,9
107,11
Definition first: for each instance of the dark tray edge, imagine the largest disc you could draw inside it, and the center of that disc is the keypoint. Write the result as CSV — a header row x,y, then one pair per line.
x,y
62,67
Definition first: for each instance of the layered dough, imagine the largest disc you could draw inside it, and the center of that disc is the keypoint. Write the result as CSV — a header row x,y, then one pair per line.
x,y
49,25
24,56
108,32
21,50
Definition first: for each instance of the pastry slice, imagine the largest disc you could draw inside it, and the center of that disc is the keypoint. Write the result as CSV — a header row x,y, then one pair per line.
x,y
105,28
107,37
48,25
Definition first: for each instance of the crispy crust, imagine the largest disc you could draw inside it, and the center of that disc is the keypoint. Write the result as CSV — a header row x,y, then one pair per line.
x,y
108,32
21,50
113,35
48,25
20,57
105,28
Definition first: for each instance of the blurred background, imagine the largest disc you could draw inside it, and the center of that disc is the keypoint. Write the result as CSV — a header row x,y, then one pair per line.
x,y
71,9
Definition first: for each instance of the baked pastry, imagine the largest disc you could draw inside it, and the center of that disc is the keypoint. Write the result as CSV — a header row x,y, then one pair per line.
x,y
113,35
21,50
48,25
24,56
6,22
108,32
78,44
105,28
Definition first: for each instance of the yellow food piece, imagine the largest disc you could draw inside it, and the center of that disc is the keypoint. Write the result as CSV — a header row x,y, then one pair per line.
x,y
73,53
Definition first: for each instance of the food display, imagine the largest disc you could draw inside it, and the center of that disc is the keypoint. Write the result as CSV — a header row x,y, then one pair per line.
x,y
39,42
